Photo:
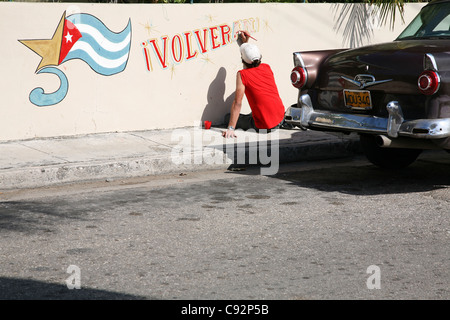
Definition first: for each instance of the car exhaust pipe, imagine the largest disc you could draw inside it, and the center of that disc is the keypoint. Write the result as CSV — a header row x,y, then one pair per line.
x,y
404,143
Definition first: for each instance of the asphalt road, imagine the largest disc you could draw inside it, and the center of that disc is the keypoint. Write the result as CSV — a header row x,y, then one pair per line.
x,y
340,229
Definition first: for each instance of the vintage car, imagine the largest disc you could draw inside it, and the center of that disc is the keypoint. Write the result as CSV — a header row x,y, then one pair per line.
x,y
395,95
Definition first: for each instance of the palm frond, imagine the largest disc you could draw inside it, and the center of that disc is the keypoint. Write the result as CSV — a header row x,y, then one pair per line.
x,y
387,10
357,19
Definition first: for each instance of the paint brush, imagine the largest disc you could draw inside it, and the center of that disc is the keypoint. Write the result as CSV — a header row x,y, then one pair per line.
x,y
246,33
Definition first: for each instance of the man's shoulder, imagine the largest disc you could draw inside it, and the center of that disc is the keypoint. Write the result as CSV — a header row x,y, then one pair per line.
x,y
264,66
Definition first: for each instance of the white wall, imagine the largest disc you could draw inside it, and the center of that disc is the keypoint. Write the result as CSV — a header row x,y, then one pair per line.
x,y
199,88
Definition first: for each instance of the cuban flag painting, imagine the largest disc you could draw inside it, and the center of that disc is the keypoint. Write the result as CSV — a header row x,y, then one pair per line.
x,y
106,52
79,36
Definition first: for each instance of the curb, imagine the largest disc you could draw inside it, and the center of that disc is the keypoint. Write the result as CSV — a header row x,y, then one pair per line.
x,y
165,163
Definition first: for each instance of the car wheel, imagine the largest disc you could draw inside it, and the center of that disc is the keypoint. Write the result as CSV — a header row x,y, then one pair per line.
x,y
388,158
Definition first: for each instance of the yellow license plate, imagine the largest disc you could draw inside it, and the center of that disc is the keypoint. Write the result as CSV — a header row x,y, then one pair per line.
x,y
357,99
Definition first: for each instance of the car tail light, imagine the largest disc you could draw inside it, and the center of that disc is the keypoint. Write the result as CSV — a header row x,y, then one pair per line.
x,y
299,76
429,82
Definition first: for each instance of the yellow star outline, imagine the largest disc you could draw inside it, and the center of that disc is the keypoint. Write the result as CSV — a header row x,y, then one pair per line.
x,y
49,49
210,17
172,71
207,59
149,27
266,25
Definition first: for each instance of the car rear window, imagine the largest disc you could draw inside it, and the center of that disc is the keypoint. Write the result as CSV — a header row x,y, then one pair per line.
x,y
433,21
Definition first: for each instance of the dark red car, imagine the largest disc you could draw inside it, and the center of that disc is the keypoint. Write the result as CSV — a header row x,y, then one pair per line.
x,y
395,95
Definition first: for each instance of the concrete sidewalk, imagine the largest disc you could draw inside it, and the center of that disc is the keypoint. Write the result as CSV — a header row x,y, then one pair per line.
x,y
108,156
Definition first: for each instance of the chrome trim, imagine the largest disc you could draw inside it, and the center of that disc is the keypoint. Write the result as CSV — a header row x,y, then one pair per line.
x,y
393,126
395,119
307,109
364,80
429,62
356,83
298,60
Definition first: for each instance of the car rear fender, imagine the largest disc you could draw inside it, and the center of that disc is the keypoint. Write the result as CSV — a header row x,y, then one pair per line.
x,y
311,61
439,61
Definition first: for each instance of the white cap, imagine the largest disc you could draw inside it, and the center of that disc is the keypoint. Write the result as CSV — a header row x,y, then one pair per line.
x,y
250,53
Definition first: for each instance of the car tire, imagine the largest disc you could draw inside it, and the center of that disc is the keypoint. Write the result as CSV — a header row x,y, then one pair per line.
x,y
387,158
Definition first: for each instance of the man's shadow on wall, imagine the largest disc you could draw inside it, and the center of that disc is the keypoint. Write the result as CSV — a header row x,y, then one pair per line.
x,y
217,106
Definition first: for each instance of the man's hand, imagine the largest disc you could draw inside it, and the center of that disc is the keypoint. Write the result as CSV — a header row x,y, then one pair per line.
x,y
244,36
228,134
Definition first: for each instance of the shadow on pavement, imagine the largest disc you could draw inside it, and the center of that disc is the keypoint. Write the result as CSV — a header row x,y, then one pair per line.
x,y
25,289
28,216
426,174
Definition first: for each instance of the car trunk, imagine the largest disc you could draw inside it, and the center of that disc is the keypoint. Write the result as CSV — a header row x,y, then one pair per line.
x,y
401,62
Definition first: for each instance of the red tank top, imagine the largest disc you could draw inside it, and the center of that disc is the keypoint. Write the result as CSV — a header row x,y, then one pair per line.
x,y
262,96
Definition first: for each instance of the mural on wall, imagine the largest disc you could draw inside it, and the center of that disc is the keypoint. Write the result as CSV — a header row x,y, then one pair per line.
x,y
79,36
85,37
187,45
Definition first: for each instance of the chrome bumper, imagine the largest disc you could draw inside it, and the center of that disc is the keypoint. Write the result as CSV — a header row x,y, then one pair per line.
x,y
393,126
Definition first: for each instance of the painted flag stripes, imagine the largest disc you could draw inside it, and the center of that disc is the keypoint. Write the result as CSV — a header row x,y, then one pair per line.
x,y
104,51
